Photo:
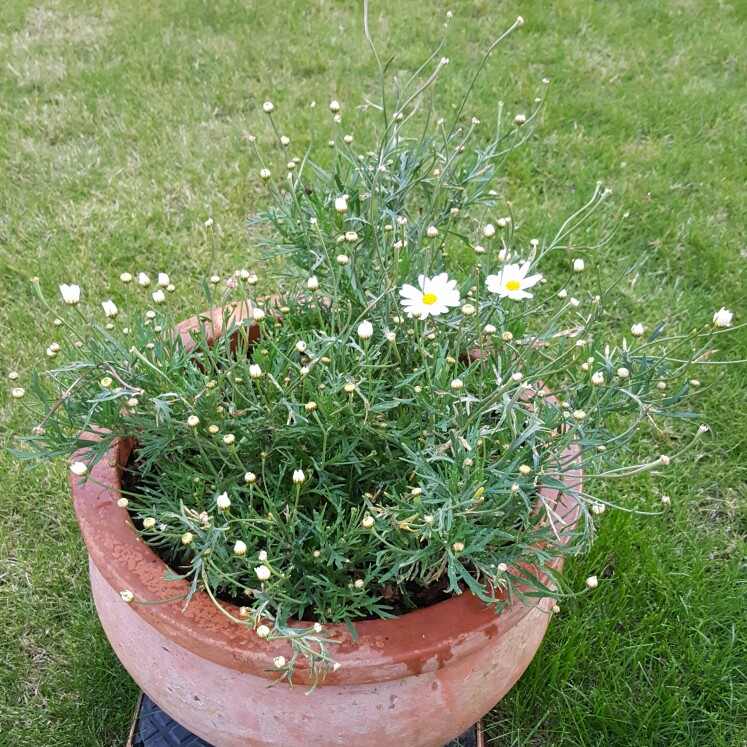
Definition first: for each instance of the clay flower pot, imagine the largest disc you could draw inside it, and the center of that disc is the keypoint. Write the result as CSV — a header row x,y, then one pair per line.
x,y
420,679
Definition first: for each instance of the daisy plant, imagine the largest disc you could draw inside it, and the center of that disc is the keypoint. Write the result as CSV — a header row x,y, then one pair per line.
x,y
372,435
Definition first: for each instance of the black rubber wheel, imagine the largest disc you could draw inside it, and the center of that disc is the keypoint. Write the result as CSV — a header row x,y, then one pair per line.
x,y
153,728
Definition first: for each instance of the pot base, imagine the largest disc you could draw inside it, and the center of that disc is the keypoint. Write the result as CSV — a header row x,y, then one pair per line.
x,y
154,728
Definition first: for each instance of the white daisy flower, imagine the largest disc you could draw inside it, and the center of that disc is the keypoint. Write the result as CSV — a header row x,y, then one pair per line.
x,y
512,282
434,296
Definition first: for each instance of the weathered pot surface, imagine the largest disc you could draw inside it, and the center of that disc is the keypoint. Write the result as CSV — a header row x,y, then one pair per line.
x,y
420,679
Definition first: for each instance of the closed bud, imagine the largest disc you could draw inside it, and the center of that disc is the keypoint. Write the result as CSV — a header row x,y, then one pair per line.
x,y
262,572
365,330
239,548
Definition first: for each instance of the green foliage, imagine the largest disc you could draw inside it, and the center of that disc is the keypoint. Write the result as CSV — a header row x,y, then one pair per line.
x,y
376,429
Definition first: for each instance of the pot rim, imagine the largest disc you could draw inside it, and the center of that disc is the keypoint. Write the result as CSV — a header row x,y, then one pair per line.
x,y
413,643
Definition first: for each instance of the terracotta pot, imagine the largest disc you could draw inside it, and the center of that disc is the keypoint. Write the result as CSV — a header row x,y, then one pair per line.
x,y
420,679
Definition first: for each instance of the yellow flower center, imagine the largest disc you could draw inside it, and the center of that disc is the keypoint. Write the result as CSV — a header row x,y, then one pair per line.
x,y
429,298
513,285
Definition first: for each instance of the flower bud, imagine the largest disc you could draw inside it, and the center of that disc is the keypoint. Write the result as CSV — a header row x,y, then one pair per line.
x,y
341,204
268,107
79,469
110,308
578,265
263,572
637,330
488,231
368,521
457,384
239,548
298,476
255,372
722,318
18,392
264,632
597,379
592,582
365,330
623,373
127,596
250,478
70,294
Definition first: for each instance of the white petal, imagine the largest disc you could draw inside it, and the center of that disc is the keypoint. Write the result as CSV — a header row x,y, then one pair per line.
x,y
493,283
531,280
518,295
410,292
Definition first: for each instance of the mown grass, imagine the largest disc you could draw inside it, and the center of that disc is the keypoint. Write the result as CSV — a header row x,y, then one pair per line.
x,y
122,129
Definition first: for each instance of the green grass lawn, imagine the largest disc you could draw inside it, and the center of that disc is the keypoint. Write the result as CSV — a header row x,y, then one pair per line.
x,y
123,127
